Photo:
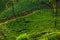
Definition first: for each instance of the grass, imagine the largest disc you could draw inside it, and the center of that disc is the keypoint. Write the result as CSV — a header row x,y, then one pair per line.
x,y
38,25
35,23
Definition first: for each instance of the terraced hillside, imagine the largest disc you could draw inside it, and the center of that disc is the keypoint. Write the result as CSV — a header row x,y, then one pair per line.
x,y
28,20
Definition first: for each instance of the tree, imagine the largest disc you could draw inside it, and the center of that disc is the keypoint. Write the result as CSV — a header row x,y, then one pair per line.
x,y
2,5
13,12
54,4
13,6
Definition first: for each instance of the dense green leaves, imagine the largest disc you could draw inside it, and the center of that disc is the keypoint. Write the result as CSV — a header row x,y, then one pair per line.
x,y
38,24
32,23
20,7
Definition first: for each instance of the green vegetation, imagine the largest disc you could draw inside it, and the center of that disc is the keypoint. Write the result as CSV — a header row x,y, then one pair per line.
x,y
20,7
38,24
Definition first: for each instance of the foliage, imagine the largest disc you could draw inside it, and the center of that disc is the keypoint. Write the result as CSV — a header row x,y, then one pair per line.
x,y
37,25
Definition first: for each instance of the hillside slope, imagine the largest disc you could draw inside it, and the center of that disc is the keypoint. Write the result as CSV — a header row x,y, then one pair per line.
x,y
29,20
40,21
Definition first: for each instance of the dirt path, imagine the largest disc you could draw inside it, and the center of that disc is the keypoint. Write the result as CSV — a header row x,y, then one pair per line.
x,y
14,17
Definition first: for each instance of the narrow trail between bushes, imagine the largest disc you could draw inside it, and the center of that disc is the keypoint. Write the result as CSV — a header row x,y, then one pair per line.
x,y
14,17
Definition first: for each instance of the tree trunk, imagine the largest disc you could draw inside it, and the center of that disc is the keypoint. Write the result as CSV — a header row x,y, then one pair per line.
x,y
13,5
55,12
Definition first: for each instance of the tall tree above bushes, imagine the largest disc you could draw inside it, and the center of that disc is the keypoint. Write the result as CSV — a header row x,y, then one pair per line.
x,y
55,8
